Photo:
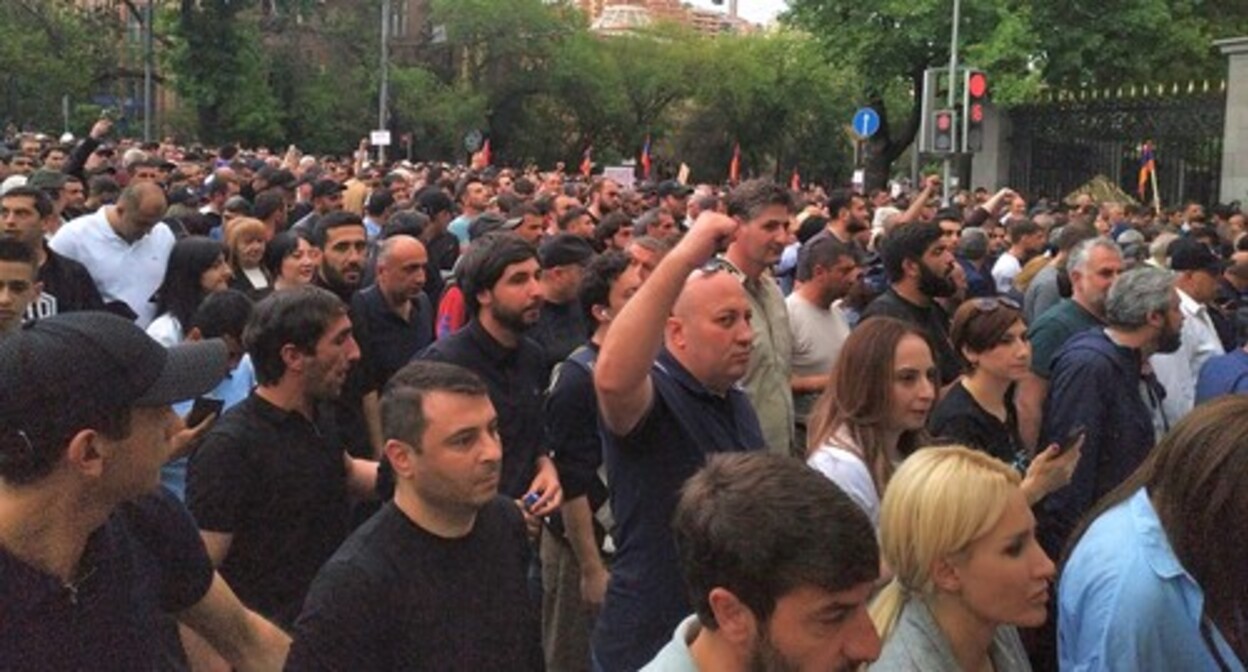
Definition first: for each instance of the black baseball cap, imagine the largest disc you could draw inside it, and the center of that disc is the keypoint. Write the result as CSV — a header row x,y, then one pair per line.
x,y
1187,254
564,249
100,360
673,188
322,188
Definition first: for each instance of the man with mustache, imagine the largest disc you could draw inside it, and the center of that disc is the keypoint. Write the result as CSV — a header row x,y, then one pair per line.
x,y
437,579
919,264
343,241
666,379
763,208
501,281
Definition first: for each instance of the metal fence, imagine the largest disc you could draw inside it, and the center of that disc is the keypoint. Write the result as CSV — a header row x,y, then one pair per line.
x,y
1062,142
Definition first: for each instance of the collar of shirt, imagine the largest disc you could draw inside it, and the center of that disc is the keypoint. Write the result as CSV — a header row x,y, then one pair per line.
x,y
667,363
279,416
1157,551
495,351
1189,306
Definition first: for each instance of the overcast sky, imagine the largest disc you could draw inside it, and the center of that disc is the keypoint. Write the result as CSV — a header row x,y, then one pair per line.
x,y
758,11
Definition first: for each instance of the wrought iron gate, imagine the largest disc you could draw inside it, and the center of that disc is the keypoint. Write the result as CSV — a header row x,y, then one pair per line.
x,y
1059,144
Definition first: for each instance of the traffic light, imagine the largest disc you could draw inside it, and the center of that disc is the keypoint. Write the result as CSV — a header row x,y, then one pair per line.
x,y
974,100
943,131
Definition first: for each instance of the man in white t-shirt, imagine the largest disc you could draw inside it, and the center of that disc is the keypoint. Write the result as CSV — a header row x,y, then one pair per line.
x,y
125,248
826,270
1026,241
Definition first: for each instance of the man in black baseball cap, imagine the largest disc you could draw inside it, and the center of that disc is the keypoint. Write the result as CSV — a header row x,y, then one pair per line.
x,y
674,198
92,552
1197,269
326,198
561,326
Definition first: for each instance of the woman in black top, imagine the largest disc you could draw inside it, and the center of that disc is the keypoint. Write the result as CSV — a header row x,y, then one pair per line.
x,y
978,410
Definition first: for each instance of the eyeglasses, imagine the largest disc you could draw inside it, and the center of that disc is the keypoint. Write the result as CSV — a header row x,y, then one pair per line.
x,y
991,303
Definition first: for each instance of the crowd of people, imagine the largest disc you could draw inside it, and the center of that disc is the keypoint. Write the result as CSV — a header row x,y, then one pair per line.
x,y
264,411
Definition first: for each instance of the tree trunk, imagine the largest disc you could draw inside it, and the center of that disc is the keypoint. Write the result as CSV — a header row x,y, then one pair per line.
x,y
886,145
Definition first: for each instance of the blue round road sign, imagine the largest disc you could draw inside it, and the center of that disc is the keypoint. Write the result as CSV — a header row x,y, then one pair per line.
x,y
866,122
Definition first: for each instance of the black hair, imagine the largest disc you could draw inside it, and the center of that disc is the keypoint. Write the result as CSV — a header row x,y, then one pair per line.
x,y
222,314
402,401
43,202
268,202
824,252
596,282
608,226
181,292
840,199
297,317
406,223
334,220
485,262
18,252
907,243
283,245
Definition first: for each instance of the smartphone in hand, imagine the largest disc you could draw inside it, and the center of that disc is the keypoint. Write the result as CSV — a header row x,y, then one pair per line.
x,y
203,408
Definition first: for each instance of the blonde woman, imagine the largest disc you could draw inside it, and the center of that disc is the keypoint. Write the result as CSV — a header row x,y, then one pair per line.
x,y
245,239
957,532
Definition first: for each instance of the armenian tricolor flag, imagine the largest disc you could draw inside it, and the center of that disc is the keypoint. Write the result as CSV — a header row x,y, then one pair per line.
x,y
1148,167
645,159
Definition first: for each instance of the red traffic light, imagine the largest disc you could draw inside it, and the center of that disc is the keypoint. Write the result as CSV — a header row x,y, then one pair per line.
x,y
944,121
978,84
977,112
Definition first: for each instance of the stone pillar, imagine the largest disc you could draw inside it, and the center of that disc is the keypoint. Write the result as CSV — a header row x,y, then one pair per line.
x,y
1235,139
990,167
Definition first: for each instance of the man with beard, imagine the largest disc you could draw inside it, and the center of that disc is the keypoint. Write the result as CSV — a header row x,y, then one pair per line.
x,y
604,199
780,564
848,215
919,265
763,208
1101,383
343,241
65,285
268,488
501,282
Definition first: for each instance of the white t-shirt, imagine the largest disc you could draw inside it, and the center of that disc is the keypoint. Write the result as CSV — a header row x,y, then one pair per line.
x,y
123,271
818,334
840,463
1004,271
166,330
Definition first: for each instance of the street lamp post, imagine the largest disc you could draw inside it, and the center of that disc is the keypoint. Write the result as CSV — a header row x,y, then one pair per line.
x,y
148,56
953,78
383,96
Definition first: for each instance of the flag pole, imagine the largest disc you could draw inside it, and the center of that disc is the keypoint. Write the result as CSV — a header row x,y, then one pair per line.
x,y
1156,192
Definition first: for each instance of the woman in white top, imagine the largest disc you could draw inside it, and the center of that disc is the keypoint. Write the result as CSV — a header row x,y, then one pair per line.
x,y
875,407
245,240
959,536
196,268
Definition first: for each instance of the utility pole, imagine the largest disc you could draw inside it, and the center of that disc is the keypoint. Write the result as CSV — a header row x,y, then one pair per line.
x,y
953,79
148,58
385,76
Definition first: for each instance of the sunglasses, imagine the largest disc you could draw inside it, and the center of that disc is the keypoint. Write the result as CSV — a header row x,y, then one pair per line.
x,y
716,264
991,303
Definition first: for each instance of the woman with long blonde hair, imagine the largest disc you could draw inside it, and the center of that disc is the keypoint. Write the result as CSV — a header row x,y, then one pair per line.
x,y
959,536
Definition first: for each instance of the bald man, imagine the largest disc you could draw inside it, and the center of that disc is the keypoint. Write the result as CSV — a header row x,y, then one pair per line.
x,y
125,248
395,314
666,384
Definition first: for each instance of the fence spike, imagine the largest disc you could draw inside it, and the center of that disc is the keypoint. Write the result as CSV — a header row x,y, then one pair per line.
x,y
1206,89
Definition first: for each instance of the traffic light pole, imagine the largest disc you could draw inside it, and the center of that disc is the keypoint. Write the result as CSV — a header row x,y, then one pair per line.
x,y
953,69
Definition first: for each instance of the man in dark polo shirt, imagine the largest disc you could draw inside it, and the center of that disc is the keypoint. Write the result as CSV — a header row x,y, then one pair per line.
x,y
437,579
66,285
668,398
575,545
267,486
92,552
499,276
919,264
561,326
398,317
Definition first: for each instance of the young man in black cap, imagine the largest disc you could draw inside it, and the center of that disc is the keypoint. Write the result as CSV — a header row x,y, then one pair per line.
x,y
561,326
91,551
674,199
326,198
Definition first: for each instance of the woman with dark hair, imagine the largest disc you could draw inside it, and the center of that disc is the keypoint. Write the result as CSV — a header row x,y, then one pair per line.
x,y
290,259
873,412
978,410
1156,578
196,268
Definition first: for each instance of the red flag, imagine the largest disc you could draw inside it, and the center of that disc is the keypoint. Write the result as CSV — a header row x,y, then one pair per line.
x,y
645,159
485,153
587,161
795,182
734,168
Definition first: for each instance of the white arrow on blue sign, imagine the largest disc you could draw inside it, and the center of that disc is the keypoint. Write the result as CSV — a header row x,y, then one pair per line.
x,y
866,122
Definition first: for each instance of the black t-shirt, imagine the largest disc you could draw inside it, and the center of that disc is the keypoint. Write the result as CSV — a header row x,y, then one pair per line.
x,y
270,478
559,330
396,597
147,559
67,287
350,425
517,379
931,320
960,418
390,340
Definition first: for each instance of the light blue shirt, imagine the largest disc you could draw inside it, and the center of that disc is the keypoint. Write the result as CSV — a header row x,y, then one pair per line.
x,y
1125,602
675,656
234,388
459,228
